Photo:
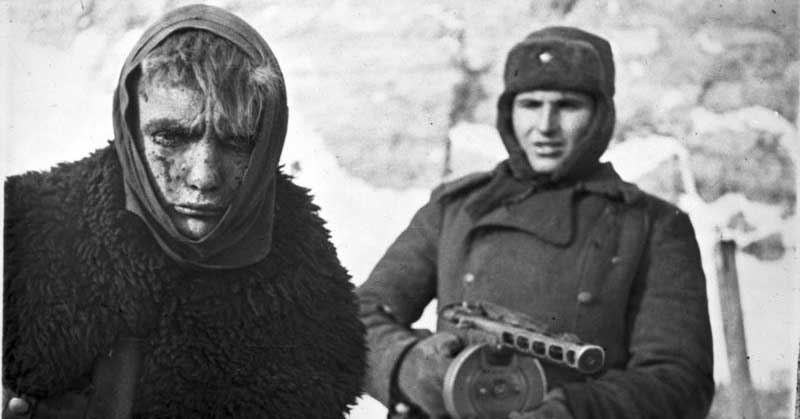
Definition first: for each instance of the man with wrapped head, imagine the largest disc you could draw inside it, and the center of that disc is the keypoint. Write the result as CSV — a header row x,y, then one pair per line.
x,y
177,272
552,234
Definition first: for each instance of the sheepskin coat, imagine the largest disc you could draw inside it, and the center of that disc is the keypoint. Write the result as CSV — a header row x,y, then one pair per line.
x,y
278,339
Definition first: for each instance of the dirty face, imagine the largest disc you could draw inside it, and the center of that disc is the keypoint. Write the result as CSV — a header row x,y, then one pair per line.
x,y
196,169
549,124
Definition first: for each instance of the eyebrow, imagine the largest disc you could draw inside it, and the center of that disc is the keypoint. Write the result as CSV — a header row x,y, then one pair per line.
x,y
161,124
576,96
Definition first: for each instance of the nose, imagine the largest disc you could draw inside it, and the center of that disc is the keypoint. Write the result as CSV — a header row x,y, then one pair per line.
x,y
548,116
205,165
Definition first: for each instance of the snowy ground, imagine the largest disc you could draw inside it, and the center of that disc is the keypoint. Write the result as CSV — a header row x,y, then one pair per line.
x,y
56,107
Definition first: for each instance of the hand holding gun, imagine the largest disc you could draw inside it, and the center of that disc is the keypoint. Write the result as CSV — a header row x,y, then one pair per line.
x,y
499,372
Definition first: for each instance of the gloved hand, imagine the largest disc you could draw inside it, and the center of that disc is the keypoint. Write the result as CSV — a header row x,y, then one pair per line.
x,y
421,374
554,406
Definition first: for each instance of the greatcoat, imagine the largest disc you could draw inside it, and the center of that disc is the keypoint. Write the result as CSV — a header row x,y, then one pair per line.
x,y
598,258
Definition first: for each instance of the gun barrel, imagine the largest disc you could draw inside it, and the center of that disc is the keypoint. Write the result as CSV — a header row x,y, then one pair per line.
x,y
585,358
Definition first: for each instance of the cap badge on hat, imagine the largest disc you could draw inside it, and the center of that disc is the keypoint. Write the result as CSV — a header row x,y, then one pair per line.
x,y
545,57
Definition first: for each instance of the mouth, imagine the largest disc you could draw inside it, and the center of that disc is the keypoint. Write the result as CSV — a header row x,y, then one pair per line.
x,y
548,148
195,210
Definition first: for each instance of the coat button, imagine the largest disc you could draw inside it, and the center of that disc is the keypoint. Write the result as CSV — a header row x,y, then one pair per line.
x,y
386,309
18,406
615,260
401,408
585,297
469,277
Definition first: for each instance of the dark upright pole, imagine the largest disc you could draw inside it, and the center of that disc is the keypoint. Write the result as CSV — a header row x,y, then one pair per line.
x,y
743,397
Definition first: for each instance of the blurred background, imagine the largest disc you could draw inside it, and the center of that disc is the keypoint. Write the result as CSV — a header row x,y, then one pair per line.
x,y
388,99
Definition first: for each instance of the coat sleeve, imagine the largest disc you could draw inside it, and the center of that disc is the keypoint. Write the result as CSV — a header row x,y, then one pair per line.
x,y
41,305
670,370
395,295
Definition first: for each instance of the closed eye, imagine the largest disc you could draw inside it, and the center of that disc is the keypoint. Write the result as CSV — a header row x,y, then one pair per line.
x,y
173,137
170,133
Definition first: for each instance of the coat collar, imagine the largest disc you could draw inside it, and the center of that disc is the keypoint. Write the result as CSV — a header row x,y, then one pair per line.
x,y
549,213
546,214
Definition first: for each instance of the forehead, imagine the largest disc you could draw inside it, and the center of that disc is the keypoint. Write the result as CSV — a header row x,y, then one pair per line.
x,y
552,95
169,100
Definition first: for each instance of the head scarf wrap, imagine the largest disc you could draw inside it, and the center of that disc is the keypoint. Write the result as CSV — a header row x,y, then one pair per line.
x,y
243,235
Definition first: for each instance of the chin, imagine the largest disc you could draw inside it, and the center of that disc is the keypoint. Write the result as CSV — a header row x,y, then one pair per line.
x,y
544,164
545,167
194,228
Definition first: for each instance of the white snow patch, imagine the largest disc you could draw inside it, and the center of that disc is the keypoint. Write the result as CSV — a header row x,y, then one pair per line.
x,y
473,148
363,219
635,158
752,118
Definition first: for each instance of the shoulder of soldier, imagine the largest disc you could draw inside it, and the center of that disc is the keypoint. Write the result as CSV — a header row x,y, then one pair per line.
x,y
461,186
634,196
656,209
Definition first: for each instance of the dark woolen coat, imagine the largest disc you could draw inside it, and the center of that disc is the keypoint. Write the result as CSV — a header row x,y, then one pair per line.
x,y
599,259
277,339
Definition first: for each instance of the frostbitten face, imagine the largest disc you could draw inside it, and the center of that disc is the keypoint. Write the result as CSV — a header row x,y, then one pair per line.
x,y
196,169
549,124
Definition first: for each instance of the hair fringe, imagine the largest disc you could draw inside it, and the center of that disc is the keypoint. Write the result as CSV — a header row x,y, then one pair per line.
x,y
222,71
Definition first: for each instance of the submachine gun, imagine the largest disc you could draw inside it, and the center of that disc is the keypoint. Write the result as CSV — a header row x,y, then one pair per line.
x,y
499,371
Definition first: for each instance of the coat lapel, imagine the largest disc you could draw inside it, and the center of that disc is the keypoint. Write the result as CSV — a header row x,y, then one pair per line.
x,y
547,215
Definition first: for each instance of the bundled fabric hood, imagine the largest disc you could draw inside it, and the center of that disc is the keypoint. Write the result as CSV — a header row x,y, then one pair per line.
x,y
243,236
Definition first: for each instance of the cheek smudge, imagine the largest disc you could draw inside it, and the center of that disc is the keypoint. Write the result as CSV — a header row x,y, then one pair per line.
x,y
159,167
166,166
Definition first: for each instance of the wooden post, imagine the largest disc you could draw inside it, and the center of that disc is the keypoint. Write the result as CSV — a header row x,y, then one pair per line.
x,y
743,396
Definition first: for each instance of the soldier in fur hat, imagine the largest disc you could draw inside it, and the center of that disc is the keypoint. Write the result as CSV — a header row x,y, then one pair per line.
x,y
557,236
